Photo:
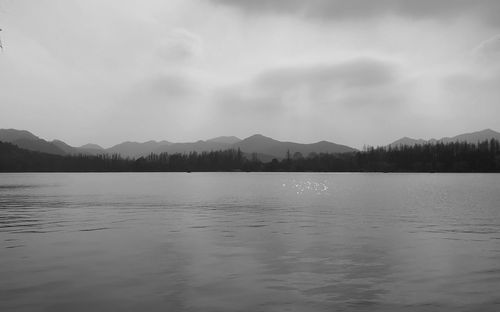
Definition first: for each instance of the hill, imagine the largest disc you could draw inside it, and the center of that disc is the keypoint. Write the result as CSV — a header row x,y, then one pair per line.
x,y
472,137
255,146
136,149
225,140
27,140
268,146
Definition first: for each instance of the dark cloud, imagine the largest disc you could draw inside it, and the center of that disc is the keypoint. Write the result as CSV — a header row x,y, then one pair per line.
x,y
180,46
359,73
356,83
487,10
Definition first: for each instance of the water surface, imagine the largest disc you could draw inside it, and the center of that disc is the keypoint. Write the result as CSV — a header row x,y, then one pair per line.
x,y
249,242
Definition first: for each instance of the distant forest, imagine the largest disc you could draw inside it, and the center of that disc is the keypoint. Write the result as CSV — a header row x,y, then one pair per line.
x,y
440,157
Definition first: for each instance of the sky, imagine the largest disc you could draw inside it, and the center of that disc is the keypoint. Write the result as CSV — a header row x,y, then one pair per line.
x,y
352,72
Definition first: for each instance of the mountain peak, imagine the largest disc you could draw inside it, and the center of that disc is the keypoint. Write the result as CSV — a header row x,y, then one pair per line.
x,y
27,140
489,131
258,136
9,135
225,139
91,146
261,144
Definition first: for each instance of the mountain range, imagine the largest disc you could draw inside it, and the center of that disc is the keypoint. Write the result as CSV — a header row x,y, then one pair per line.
x,y
257,145
262,147
472,137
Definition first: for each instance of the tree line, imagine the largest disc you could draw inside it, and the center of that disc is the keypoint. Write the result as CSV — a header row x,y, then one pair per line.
x,y
438,157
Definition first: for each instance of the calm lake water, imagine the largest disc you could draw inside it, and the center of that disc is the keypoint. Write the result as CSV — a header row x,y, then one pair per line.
x,y
249,242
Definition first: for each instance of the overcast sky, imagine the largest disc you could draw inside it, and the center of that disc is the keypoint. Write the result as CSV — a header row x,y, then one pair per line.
x,y
353,72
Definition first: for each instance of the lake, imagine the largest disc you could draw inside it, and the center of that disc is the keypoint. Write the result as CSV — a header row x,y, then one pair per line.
x,y
249,242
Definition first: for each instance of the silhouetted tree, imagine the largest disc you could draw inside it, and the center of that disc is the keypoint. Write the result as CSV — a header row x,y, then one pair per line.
x,y
441,157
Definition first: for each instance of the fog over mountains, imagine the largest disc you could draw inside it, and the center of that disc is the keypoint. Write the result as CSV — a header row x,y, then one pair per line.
x,y
260,146
264,148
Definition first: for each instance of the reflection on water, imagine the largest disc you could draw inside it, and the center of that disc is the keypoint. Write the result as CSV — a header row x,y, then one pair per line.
x,y
249,242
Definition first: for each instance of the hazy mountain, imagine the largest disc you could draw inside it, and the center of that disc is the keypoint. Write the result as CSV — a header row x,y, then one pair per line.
x,y
407,141
136,149
65,147
225,140
88,149
27,140
91,149
264,148
91,146
199,146
261,144
10,135
39,146
472,137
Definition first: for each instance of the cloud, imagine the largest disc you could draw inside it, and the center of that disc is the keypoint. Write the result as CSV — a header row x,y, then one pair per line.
x,y
359,73
180,45
162,91
170,85
168,70
488,51
328,84
474,91
487,10
354,83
